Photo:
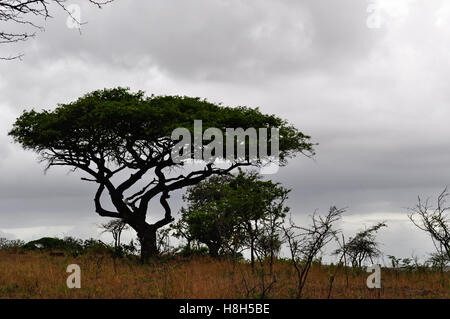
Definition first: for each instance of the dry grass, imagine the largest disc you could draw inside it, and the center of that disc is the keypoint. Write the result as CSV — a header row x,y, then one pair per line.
x,y
39,275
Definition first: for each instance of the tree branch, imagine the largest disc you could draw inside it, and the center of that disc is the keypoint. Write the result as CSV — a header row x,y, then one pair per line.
x,y
98,206
22,12
168,213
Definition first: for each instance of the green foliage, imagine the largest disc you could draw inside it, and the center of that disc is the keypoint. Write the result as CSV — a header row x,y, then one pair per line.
x,y
208,219
221,210
69,245
131,248
8,244
363,246
116,227
395,262
47,243
187,251
93,246
108,121
438,260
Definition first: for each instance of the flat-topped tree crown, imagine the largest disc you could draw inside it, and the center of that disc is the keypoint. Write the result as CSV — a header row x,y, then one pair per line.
x,y
114,130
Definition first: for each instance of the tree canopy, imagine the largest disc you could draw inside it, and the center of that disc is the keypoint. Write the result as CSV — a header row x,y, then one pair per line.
x,y
363,246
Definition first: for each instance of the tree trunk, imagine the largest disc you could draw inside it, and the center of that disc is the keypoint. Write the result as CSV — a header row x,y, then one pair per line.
x,y
252,252
213,250
149,248
147,232
252,245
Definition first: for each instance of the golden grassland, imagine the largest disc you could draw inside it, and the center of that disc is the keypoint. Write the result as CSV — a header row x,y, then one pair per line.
x,y
40,275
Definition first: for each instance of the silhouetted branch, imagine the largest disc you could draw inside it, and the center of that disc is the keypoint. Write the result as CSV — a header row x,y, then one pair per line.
x,y
25,12
434,221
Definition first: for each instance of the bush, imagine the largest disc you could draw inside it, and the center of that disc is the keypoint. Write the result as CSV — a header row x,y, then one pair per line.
x,y
6,244
187,251
93,246
67,244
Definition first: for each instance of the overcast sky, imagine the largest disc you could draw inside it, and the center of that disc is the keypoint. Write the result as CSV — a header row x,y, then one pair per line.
x,y
369,83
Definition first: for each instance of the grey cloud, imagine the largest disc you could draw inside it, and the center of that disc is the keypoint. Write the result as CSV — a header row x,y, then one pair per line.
x,y
6,235
215,40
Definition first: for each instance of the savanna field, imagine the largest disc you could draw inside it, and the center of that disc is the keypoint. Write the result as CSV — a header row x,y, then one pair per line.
x,y
38,275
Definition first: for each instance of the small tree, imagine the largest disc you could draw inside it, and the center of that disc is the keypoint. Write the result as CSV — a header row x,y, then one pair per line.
x,y
305,243
434,221
115,227
163,241
228,213
259,208
270,238
439,260
363,246
10,244
207,219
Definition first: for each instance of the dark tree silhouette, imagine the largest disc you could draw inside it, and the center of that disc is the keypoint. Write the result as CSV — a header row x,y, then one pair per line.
x,y
363,246
26,14
115,227
121,139
435,221
305,243
234,212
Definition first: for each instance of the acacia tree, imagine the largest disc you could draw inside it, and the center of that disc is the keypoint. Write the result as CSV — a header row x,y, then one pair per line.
x,y
363,246
115,227
26,14
123,141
